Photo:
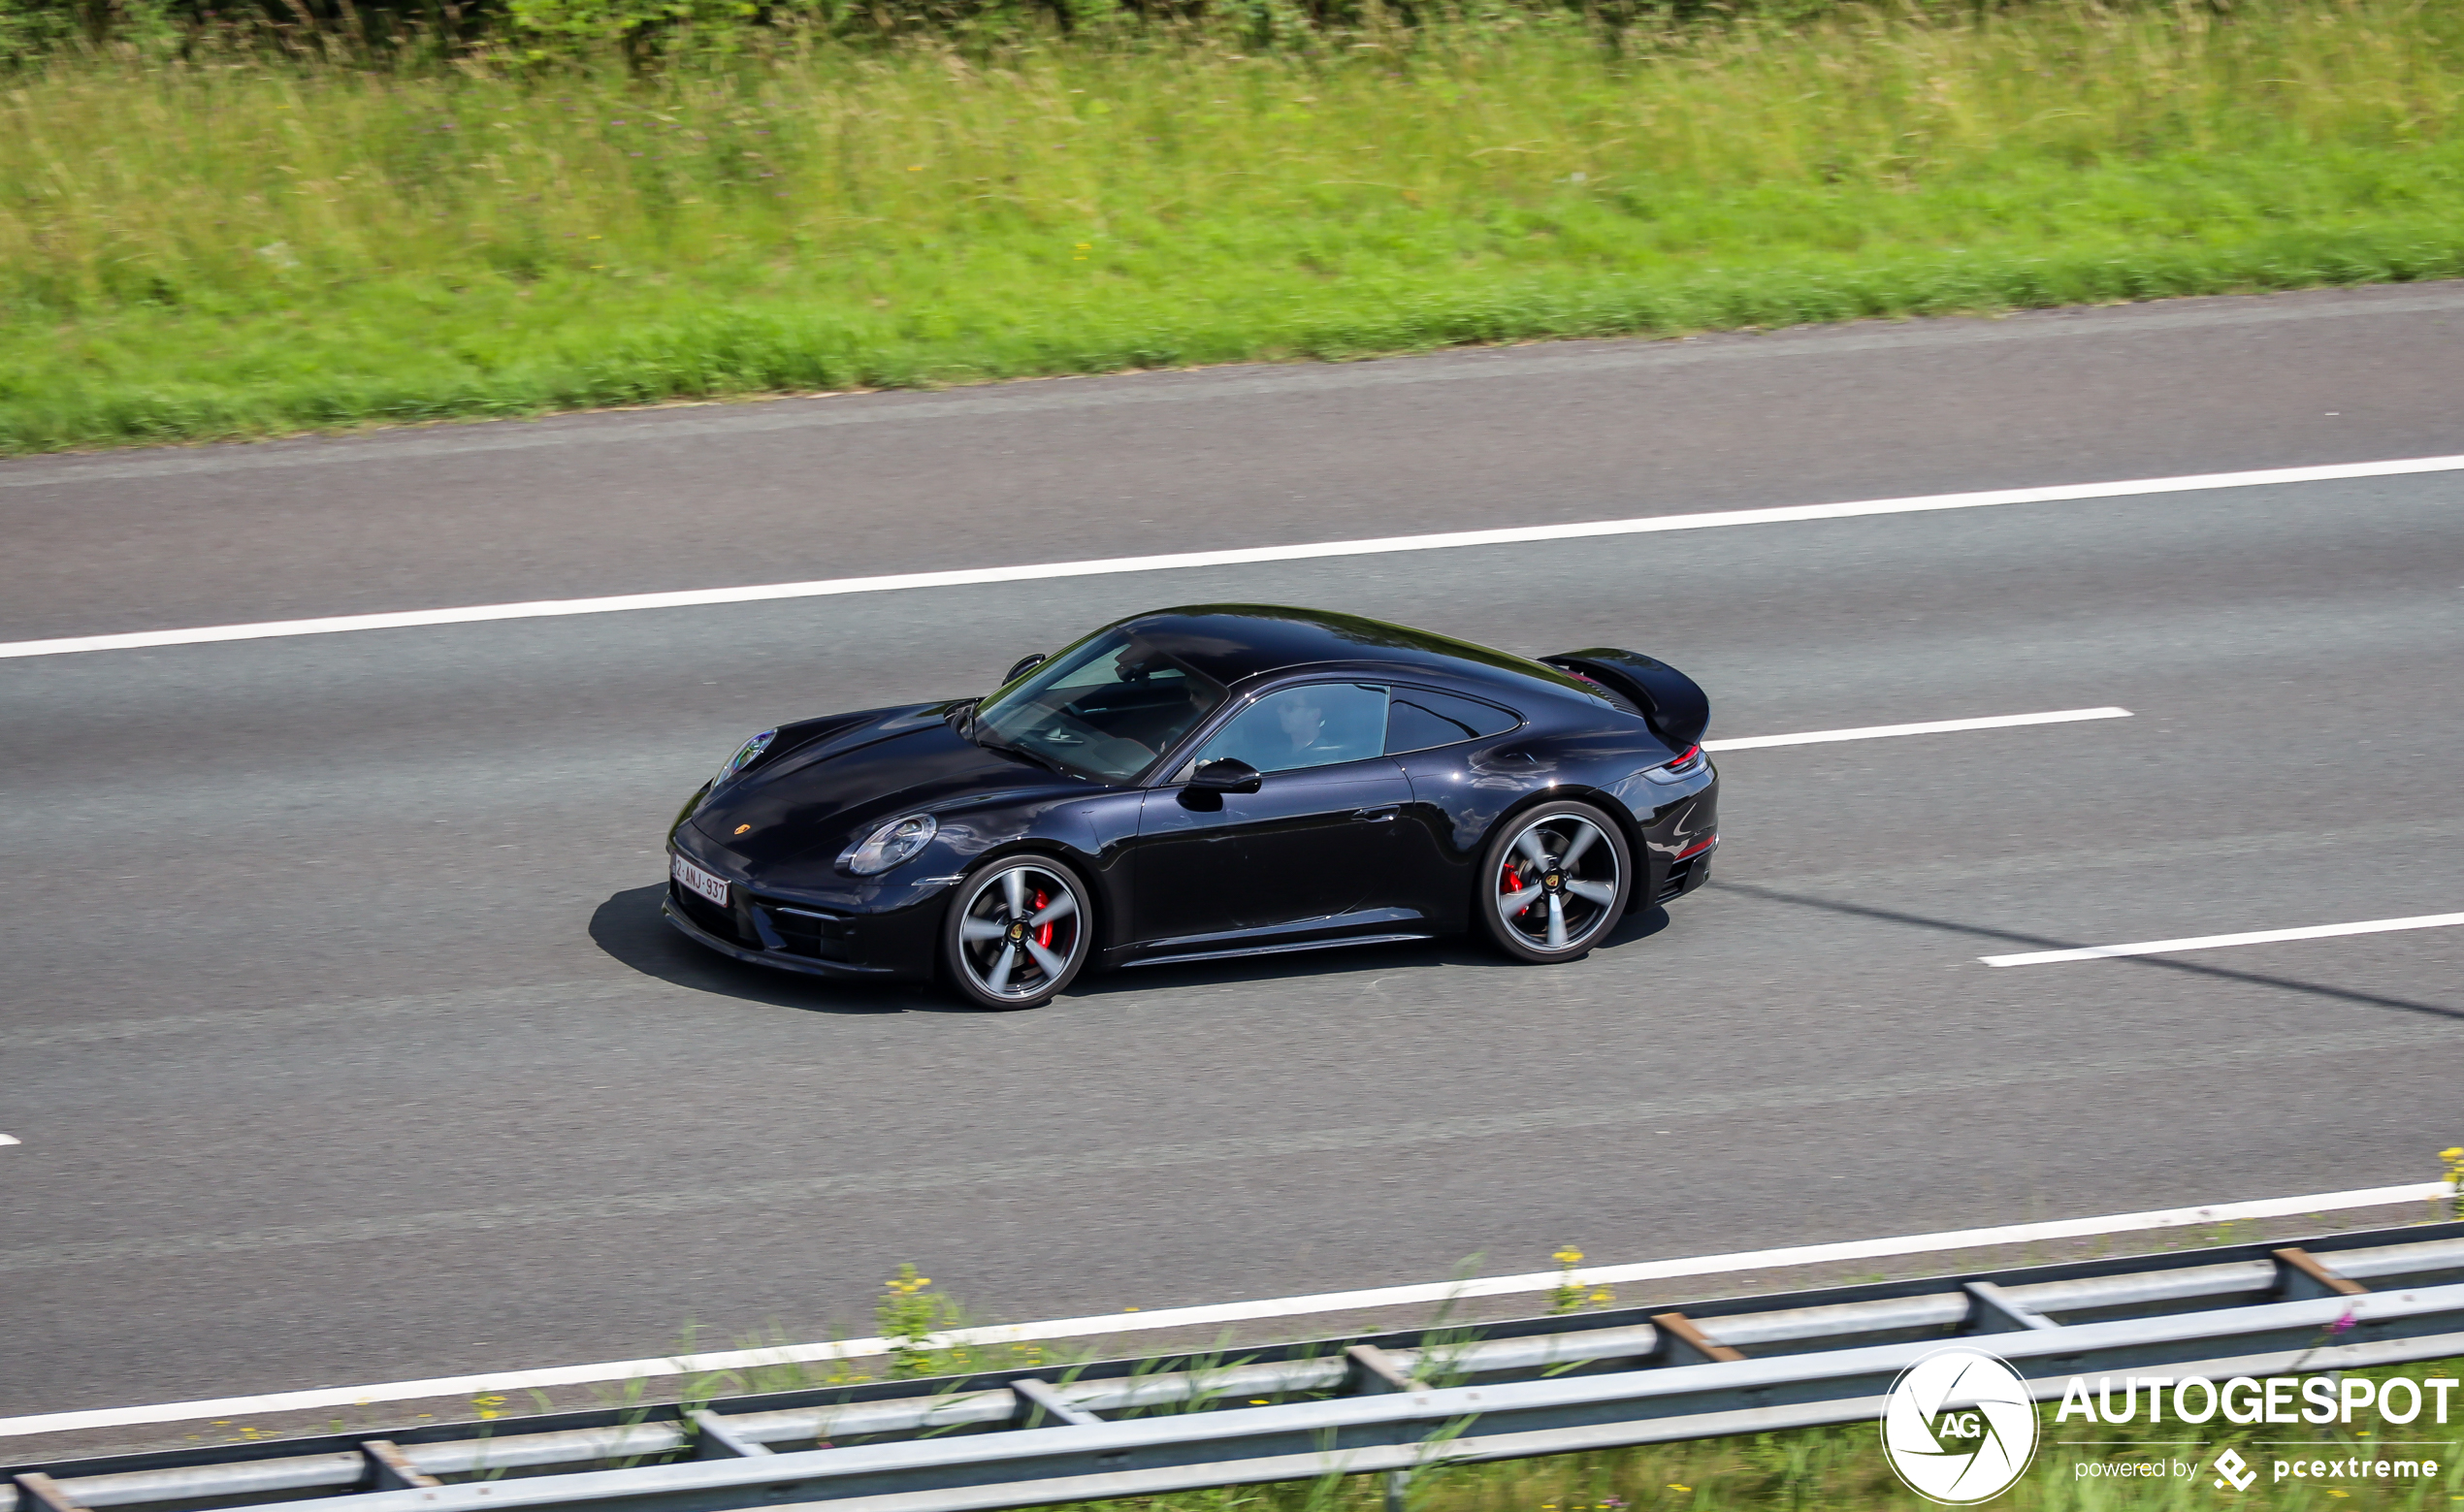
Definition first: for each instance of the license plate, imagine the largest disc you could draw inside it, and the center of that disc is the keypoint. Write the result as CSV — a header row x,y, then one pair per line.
x,y
715,889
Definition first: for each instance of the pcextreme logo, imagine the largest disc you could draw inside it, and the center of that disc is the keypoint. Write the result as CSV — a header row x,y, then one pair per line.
x,y
2233,1472
1959,1427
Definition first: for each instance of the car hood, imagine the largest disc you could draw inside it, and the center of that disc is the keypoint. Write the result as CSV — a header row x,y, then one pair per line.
x,y
828,793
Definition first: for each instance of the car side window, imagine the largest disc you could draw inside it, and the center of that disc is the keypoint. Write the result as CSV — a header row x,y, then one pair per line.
x,y
1316,724
1419,719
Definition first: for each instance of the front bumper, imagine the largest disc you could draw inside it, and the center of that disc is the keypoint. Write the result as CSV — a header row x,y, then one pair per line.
x,y
813,937
678,914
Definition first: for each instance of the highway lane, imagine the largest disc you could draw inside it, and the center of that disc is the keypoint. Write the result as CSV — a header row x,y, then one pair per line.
x,y
795,489
493,1115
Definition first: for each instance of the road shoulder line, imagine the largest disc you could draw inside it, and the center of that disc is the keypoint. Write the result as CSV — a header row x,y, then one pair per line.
x,y
1445,540
1115,1324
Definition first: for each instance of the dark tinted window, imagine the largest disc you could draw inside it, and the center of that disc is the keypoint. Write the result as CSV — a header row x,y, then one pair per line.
x,y
1419,720
1317,724
1103,708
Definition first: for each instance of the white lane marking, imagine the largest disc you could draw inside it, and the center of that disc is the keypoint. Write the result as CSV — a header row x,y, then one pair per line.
x,y
1110,1324
1929,727
10,1138
1108,565
2099,953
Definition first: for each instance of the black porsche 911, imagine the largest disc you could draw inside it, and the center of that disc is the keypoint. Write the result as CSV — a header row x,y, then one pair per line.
x,y
1218,780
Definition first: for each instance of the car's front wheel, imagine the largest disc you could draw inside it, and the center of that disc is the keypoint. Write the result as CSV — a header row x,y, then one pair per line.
x,y
1017,932
1554,881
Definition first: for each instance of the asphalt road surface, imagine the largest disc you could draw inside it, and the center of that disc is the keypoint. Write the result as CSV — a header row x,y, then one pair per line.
x,y
344,1042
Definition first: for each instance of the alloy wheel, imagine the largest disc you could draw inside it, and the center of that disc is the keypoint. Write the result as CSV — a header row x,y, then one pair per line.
x,y
1557,883
1019,931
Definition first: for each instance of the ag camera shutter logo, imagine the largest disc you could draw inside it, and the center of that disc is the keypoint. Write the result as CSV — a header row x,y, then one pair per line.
x,y
1959,1427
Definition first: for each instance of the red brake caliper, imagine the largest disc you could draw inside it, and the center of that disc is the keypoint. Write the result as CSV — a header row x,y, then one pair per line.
x,y
1510,883
1044,931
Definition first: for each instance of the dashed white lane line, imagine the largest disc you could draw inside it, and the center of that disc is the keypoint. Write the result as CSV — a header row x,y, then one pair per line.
x,y
1110,565
10,1138
2100,952
1107,1324
1929,727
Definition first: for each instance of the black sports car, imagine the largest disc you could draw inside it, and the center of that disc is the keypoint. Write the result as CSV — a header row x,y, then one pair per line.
x,y
1223,780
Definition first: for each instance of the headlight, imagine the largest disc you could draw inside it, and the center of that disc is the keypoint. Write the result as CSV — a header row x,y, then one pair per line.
x,y
889,846
745,756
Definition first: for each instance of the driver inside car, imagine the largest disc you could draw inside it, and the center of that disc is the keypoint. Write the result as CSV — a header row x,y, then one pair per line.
x,y
1303,724
1315,726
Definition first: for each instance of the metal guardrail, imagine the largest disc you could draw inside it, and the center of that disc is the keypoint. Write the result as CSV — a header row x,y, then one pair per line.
x,y
1388,1403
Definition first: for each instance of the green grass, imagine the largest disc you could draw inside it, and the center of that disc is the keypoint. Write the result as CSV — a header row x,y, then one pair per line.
x,y
230,246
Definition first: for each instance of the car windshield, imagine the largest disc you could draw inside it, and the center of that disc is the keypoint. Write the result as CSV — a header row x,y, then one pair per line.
x,y
1105,708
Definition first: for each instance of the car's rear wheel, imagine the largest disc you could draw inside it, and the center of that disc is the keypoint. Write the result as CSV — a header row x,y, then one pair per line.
x,y
1017,932
1554,881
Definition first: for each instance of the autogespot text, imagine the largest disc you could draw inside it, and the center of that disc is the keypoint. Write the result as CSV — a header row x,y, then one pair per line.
x,y
2283,1399
2316,1399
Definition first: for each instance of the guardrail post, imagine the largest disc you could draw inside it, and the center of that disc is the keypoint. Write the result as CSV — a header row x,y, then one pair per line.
x,y
1375,1373
391,1470
1038,1397
1683,1341
716,1438
40,1492
1994,1310
2301,1276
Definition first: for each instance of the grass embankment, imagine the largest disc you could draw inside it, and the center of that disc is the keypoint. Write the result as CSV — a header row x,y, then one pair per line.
x,y
222,249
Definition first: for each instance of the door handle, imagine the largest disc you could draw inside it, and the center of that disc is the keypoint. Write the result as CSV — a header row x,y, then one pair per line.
x,y
1377,816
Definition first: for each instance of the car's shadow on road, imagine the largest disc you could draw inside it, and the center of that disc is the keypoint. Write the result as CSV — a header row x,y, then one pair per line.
x,y
630,928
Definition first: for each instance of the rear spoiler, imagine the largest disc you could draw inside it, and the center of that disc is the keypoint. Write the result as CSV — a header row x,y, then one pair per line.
x,y
1675,706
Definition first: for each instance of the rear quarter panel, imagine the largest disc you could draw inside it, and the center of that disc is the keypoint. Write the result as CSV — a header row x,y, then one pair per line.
x,y
1461,793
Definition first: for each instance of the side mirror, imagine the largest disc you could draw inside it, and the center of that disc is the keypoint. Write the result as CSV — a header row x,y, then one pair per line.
x,y
1227,774
1022,666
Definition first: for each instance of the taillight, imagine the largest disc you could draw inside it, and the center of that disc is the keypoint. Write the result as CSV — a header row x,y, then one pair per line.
x,y
1698,848
1679,769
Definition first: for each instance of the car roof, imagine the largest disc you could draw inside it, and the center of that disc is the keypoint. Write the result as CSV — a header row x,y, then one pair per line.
x,y
1233,643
